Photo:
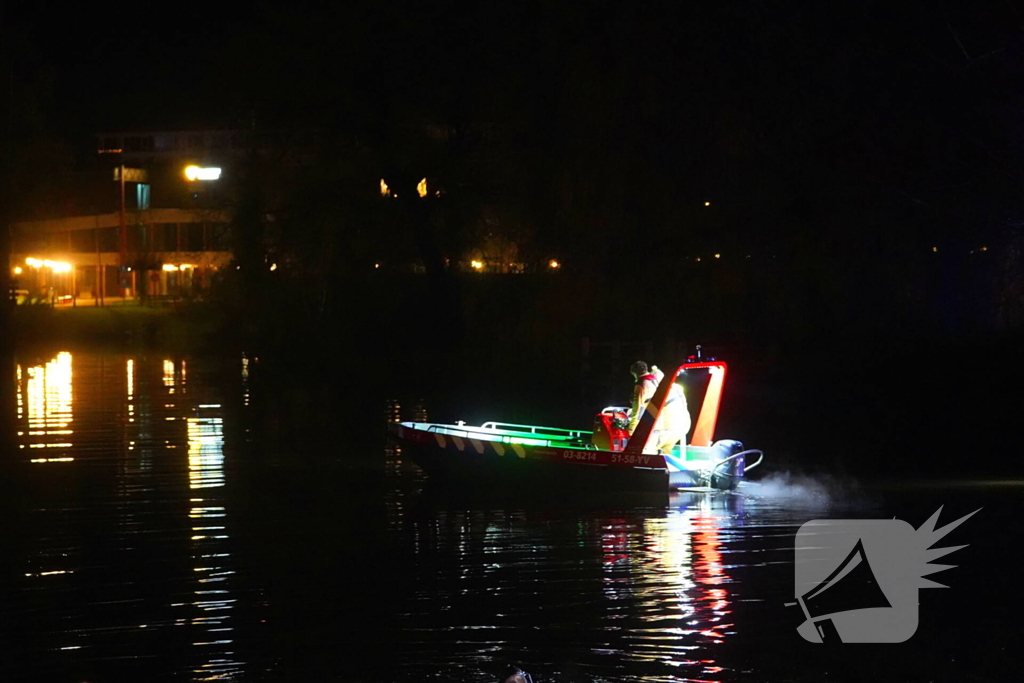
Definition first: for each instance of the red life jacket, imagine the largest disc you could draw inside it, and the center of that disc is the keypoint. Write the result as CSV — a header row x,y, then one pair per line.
x,y
651,377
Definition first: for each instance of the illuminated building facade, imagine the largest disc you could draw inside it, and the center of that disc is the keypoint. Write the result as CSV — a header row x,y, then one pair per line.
x,y
173,251
170,253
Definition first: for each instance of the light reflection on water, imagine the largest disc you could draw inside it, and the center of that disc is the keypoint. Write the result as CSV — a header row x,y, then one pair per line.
x,y
213,603
141,550
642,591
146,452
45,410
586,590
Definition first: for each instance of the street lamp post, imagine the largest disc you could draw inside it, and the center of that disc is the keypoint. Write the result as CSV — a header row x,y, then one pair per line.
x,y
100,283
123,232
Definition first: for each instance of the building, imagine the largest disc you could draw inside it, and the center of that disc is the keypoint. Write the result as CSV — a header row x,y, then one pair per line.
x,y
172,251
176,232
145,148
168,253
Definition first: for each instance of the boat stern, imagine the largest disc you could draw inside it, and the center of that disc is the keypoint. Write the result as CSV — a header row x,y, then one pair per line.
x,y
719,466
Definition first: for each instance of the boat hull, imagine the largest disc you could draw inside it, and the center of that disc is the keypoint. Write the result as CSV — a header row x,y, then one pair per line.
x,y
474,470
479,462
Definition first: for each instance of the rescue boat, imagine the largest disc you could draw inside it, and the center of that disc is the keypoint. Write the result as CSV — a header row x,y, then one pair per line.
x,y
498,453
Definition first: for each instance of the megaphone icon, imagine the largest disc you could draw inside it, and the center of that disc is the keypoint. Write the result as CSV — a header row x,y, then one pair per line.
x,y
851,586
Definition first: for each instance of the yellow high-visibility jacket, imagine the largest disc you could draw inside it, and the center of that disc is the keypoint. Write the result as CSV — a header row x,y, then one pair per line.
x,y
674,416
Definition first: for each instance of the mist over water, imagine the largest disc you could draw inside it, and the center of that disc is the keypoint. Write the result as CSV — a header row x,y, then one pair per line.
x,y
813,492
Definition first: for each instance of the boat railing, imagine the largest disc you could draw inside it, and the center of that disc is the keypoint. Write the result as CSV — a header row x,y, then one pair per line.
x,y
540,431
510,436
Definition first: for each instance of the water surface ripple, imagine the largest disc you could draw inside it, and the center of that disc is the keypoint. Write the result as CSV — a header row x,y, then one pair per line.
x,y
159,528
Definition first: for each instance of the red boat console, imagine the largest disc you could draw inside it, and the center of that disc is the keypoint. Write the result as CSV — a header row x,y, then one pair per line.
x,y
608,437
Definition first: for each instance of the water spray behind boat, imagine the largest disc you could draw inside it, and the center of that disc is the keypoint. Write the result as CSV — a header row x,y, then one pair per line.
x,y
810,491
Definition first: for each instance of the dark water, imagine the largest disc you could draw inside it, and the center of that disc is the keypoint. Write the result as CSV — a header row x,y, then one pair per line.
x,y
157,527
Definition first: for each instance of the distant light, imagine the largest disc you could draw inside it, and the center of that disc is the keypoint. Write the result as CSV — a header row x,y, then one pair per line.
x,y
376,265
198,173
554,265
273,266
477,265
984,248
384,189
935,248
707,203
183,266
718,256
421,188
169,267
698,259
17,270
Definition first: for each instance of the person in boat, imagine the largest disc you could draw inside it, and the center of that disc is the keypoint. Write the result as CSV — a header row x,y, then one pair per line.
x,y
674,419
645,384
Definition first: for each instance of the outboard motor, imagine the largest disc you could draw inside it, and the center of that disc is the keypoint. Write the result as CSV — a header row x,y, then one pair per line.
x,y
727,476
